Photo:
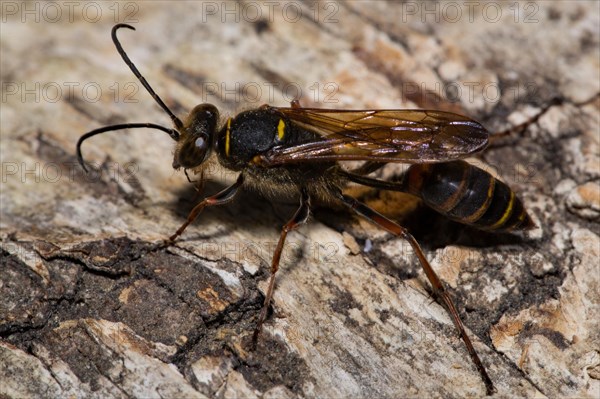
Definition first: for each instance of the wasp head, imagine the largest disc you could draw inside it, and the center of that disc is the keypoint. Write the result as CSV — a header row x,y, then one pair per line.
x,y
196,137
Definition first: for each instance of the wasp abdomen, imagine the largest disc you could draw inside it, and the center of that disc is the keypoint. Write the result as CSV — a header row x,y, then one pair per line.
x,y
468,194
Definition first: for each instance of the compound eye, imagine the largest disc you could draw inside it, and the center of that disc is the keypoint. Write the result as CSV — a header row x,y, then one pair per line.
x,y
192,152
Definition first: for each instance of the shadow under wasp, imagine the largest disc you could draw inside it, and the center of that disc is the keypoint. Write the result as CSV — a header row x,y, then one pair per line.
x,y
296,151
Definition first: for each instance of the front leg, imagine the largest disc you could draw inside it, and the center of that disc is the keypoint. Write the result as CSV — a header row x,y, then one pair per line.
x,y
220,198
299,218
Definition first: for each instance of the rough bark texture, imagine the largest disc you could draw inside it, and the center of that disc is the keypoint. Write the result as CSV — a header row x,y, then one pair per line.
x,y
93,306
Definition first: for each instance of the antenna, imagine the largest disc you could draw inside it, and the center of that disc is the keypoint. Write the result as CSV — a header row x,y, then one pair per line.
x,y
171,132
176,121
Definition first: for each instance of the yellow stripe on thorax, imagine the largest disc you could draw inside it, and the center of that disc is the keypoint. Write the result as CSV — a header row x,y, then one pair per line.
x,y
281,130
227,139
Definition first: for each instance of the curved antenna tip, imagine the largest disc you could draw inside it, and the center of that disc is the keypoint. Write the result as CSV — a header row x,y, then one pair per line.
x,y
122,25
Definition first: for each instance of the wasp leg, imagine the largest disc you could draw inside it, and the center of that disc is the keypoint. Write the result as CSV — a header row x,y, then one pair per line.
x,y
355,177
299,218
438,287
220,198
368,168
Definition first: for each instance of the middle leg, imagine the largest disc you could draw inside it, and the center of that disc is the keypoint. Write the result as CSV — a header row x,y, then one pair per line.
x,y
299,218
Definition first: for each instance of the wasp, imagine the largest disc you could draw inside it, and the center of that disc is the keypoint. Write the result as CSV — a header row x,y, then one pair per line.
x,y
297,151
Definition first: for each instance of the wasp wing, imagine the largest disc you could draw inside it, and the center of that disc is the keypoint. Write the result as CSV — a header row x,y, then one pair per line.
x,y
407,136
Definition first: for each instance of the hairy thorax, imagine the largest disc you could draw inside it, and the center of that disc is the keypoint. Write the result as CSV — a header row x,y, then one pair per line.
x,y
285,182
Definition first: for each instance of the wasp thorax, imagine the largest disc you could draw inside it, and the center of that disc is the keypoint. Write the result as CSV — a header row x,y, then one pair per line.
x,y
196,137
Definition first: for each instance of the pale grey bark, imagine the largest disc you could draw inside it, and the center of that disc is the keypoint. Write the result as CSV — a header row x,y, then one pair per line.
x,y
93,306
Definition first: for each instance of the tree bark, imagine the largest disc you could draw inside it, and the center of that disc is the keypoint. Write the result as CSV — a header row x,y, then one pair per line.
x,y
95,305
